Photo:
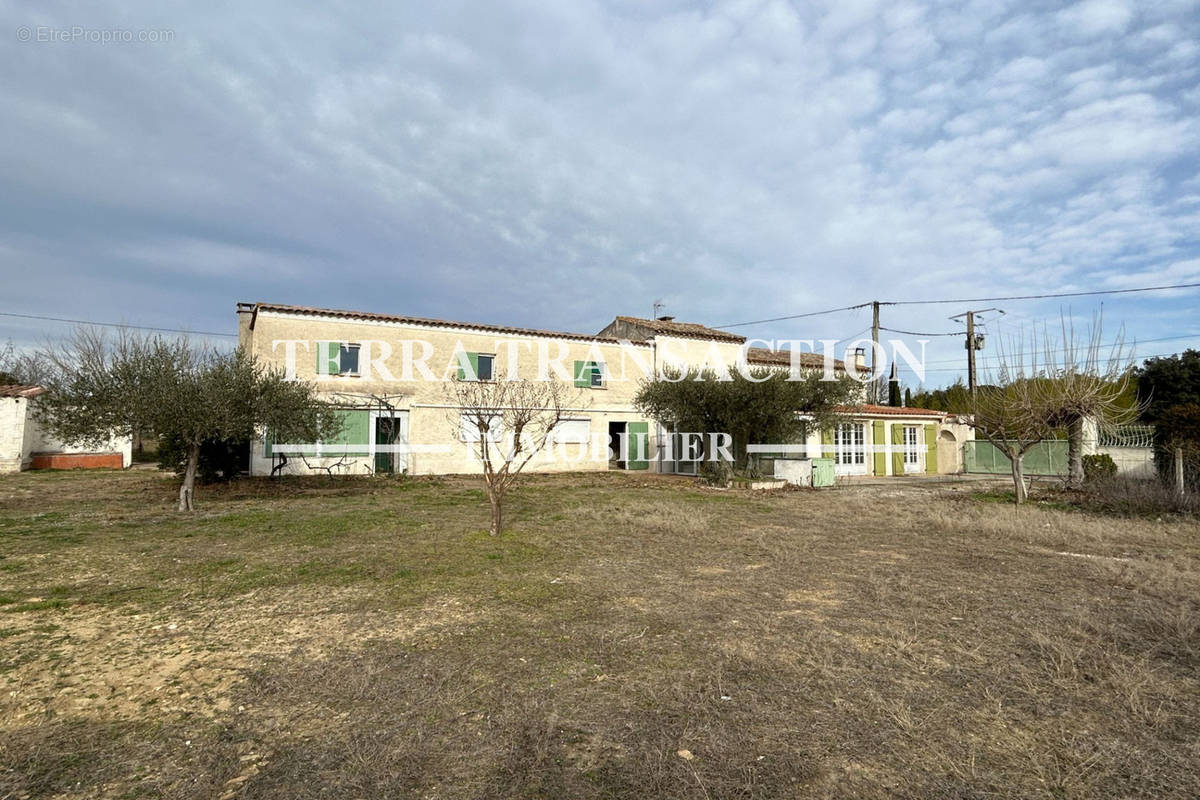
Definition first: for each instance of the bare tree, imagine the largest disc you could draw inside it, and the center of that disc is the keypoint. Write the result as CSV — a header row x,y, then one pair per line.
x,y
1043,386
23,366
1006,416
1081,384
508,423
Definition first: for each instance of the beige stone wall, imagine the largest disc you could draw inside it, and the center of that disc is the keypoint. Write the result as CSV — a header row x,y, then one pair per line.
x,y
426,402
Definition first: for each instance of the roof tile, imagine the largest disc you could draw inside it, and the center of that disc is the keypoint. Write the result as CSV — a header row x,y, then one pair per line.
x,y
20,390
690,330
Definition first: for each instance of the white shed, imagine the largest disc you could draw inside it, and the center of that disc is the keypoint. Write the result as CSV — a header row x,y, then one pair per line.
x,y
24,444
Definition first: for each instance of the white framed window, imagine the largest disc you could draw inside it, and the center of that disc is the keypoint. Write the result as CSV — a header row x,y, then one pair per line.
x,y
573,431
469,428
348,358
912,452
476,366
849,440
337,358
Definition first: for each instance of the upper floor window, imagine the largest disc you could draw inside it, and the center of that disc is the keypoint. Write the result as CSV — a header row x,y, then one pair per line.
x,y
479,367
337,358
589,374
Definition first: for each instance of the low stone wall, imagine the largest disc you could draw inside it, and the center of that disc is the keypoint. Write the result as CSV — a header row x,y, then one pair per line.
x,y
77,461
1134,462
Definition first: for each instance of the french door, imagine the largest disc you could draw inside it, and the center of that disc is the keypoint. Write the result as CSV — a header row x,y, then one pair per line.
x,y
912,451
849,450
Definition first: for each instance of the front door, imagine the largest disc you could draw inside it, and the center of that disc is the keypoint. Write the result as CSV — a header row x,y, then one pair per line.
x,y
616,445
391,434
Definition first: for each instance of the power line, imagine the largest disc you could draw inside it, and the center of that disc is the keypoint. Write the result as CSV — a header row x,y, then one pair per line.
x,y
921,333
1129,344
1046,296
990,366
794,316
965,300
115,324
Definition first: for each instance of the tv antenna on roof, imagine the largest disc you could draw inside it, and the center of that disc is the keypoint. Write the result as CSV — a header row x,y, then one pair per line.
x,y
658,306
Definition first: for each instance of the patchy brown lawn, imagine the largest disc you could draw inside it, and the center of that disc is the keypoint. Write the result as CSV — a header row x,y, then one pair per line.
x,y
627,638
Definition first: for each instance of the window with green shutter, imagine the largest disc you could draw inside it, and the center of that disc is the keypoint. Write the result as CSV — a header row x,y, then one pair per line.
x,y
337,358
479,367
589,375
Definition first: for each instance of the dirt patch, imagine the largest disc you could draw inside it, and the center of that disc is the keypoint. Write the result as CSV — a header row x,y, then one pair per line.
x,y
362,639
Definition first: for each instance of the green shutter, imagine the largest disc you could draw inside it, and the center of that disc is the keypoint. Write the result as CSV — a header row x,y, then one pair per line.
x,y
897,449
637,446
473,360
931,454
354,433
877,439
267,442
827,443
329,358
584,372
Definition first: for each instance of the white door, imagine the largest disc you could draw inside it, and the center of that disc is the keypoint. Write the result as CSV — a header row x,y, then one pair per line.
x,y
849,451
912,451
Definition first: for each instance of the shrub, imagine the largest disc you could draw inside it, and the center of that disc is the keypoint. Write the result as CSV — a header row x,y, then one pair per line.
x,y
1098,467
220,459
716,472
1127,496
1178,426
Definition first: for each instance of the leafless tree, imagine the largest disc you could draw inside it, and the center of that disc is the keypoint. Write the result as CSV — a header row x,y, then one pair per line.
x,y
23,366
1081,383
1043,386
509,422
1006,416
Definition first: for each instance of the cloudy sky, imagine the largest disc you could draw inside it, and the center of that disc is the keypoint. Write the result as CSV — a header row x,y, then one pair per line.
x,y
556,164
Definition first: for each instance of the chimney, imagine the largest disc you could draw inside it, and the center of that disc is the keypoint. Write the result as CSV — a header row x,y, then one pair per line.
x,y
245,316
860,358
666,318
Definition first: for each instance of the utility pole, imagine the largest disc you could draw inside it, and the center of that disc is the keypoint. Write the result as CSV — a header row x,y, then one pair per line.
x,y
973,343
971,353
874,347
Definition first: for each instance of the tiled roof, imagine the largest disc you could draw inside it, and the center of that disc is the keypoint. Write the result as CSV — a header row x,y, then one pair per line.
x,y
893,411
438,323
761,355
19,390
688,330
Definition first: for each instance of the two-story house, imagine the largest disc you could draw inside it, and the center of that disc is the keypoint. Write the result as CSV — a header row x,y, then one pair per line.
x,y
387,375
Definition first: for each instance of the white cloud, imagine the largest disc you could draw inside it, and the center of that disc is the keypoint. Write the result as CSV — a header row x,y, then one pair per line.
x,y
1095,17
572,161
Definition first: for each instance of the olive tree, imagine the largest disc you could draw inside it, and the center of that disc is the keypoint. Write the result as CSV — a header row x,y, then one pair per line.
x,y
507,423
99,387
758,405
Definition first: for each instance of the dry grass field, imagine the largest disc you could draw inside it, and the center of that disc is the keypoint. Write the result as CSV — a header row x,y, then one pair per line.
x,y
626,638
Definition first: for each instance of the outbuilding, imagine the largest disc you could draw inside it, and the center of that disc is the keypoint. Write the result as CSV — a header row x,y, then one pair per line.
x,y
24,444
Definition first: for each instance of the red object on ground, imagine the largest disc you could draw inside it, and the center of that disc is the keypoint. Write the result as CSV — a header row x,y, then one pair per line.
x,y
77,461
